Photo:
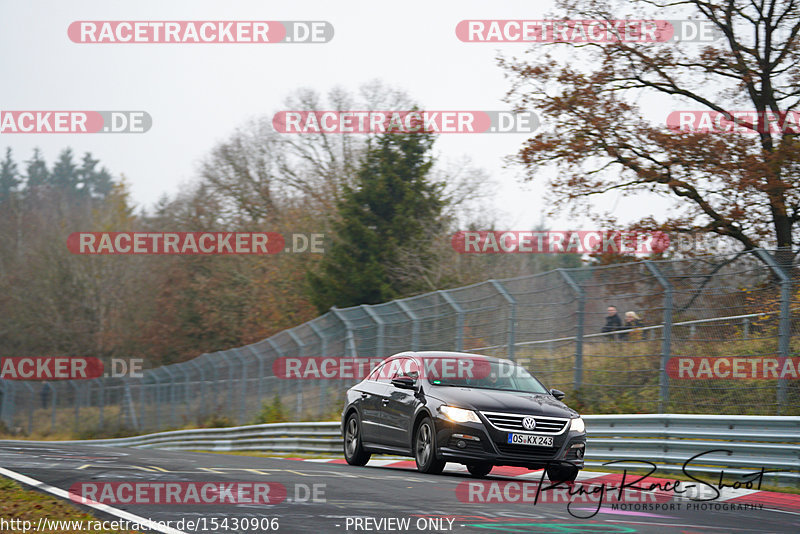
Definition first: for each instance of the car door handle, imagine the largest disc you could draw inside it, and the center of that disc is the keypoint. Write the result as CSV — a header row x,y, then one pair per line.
x,y
385,402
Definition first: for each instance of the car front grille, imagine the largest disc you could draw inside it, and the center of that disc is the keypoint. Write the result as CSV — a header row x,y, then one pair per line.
x,y
529,452
513,422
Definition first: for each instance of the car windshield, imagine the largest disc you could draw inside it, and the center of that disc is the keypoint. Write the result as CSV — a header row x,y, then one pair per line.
x,y
499,375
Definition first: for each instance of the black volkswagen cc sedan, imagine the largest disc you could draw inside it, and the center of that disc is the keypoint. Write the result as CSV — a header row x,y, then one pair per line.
x,y
475,410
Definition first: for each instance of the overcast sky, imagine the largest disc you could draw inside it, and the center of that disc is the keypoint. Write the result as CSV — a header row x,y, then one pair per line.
x,y
197,94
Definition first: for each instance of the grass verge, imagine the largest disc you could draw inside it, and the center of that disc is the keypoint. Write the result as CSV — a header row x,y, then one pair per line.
x,y
24,505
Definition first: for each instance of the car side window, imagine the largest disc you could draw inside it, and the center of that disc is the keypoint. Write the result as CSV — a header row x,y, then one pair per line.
x,y
382,373
403,367
375,373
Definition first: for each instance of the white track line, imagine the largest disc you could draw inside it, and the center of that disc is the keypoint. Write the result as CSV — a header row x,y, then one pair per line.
x,y
122,514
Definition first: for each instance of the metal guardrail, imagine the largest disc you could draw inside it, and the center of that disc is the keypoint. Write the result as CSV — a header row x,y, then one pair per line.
x,y
668,440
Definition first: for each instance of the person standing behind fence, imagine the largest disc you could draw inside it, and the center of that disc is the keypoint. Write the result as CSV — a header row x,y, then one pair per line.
x,y
613,322
632,320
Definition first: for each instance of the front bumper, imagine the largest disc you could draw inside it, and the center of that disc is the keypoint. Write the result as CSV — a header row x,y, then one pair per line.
x,y
480,442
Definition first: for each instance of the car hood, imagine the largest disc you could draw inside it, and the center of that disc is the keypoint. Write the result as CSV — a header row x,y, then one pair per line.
x,y
492,400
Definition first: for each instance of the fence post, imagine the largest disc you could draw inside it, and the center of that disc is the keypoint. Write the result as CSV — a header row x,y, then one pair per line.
x,y
581,295
380,324
785,325
261,377
52,406
414,323
128,399
666,340
157,384
281,381
242,409
301,383
351,340
182,368
512,322
77,403
31,405
171,397
203,405
101,394
323,389
459,318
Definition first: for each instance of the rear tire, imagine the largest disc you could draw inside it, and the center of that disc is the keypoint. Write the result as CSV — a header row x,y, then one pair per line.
x,y
354,451
425,448
562,473
479,470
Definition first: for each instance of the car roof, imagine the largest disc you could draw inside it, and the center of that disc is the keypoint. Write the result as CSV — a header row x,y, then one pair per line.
x,y
443,354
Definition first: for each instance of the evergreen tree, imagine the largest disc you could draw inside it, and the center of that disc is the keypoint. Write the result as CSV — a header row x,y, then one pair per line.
x,y
65,173
9,177
391,205
91,182
36,170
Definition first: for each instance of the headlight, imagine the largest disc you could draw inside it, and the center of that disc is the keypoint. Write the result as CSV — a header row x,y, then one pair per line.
x,y
577,425
459,415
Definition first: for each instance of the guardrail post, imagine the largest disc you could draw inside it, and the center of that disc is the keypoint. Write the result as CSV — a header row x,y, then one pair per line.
x,y
380,325
581,296
300,387
512,322
459,318
785,325
666,340
414,323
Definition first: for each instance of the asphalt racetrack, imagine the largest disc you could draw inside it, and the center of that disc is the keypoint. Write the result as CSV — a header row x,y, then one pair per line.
x,y
336,498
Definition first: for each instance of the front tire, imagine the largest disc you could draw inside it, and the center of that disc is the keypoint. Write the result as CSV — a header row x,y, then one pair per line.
x,y
479,470
562,473
425,448
354,451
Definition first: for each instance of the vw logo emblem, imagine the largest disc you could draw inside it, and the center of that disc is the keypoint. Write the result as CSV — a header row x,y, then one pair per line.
x,y
529,423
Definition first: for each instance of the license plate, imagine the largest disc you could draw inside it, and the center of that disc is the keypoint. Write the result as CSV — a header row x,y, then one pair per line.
x,y
530,439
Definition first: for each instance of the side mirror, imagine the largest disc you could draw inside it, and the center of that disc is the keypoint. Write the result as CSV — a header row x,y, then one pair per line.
x,y
558,394
404,382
